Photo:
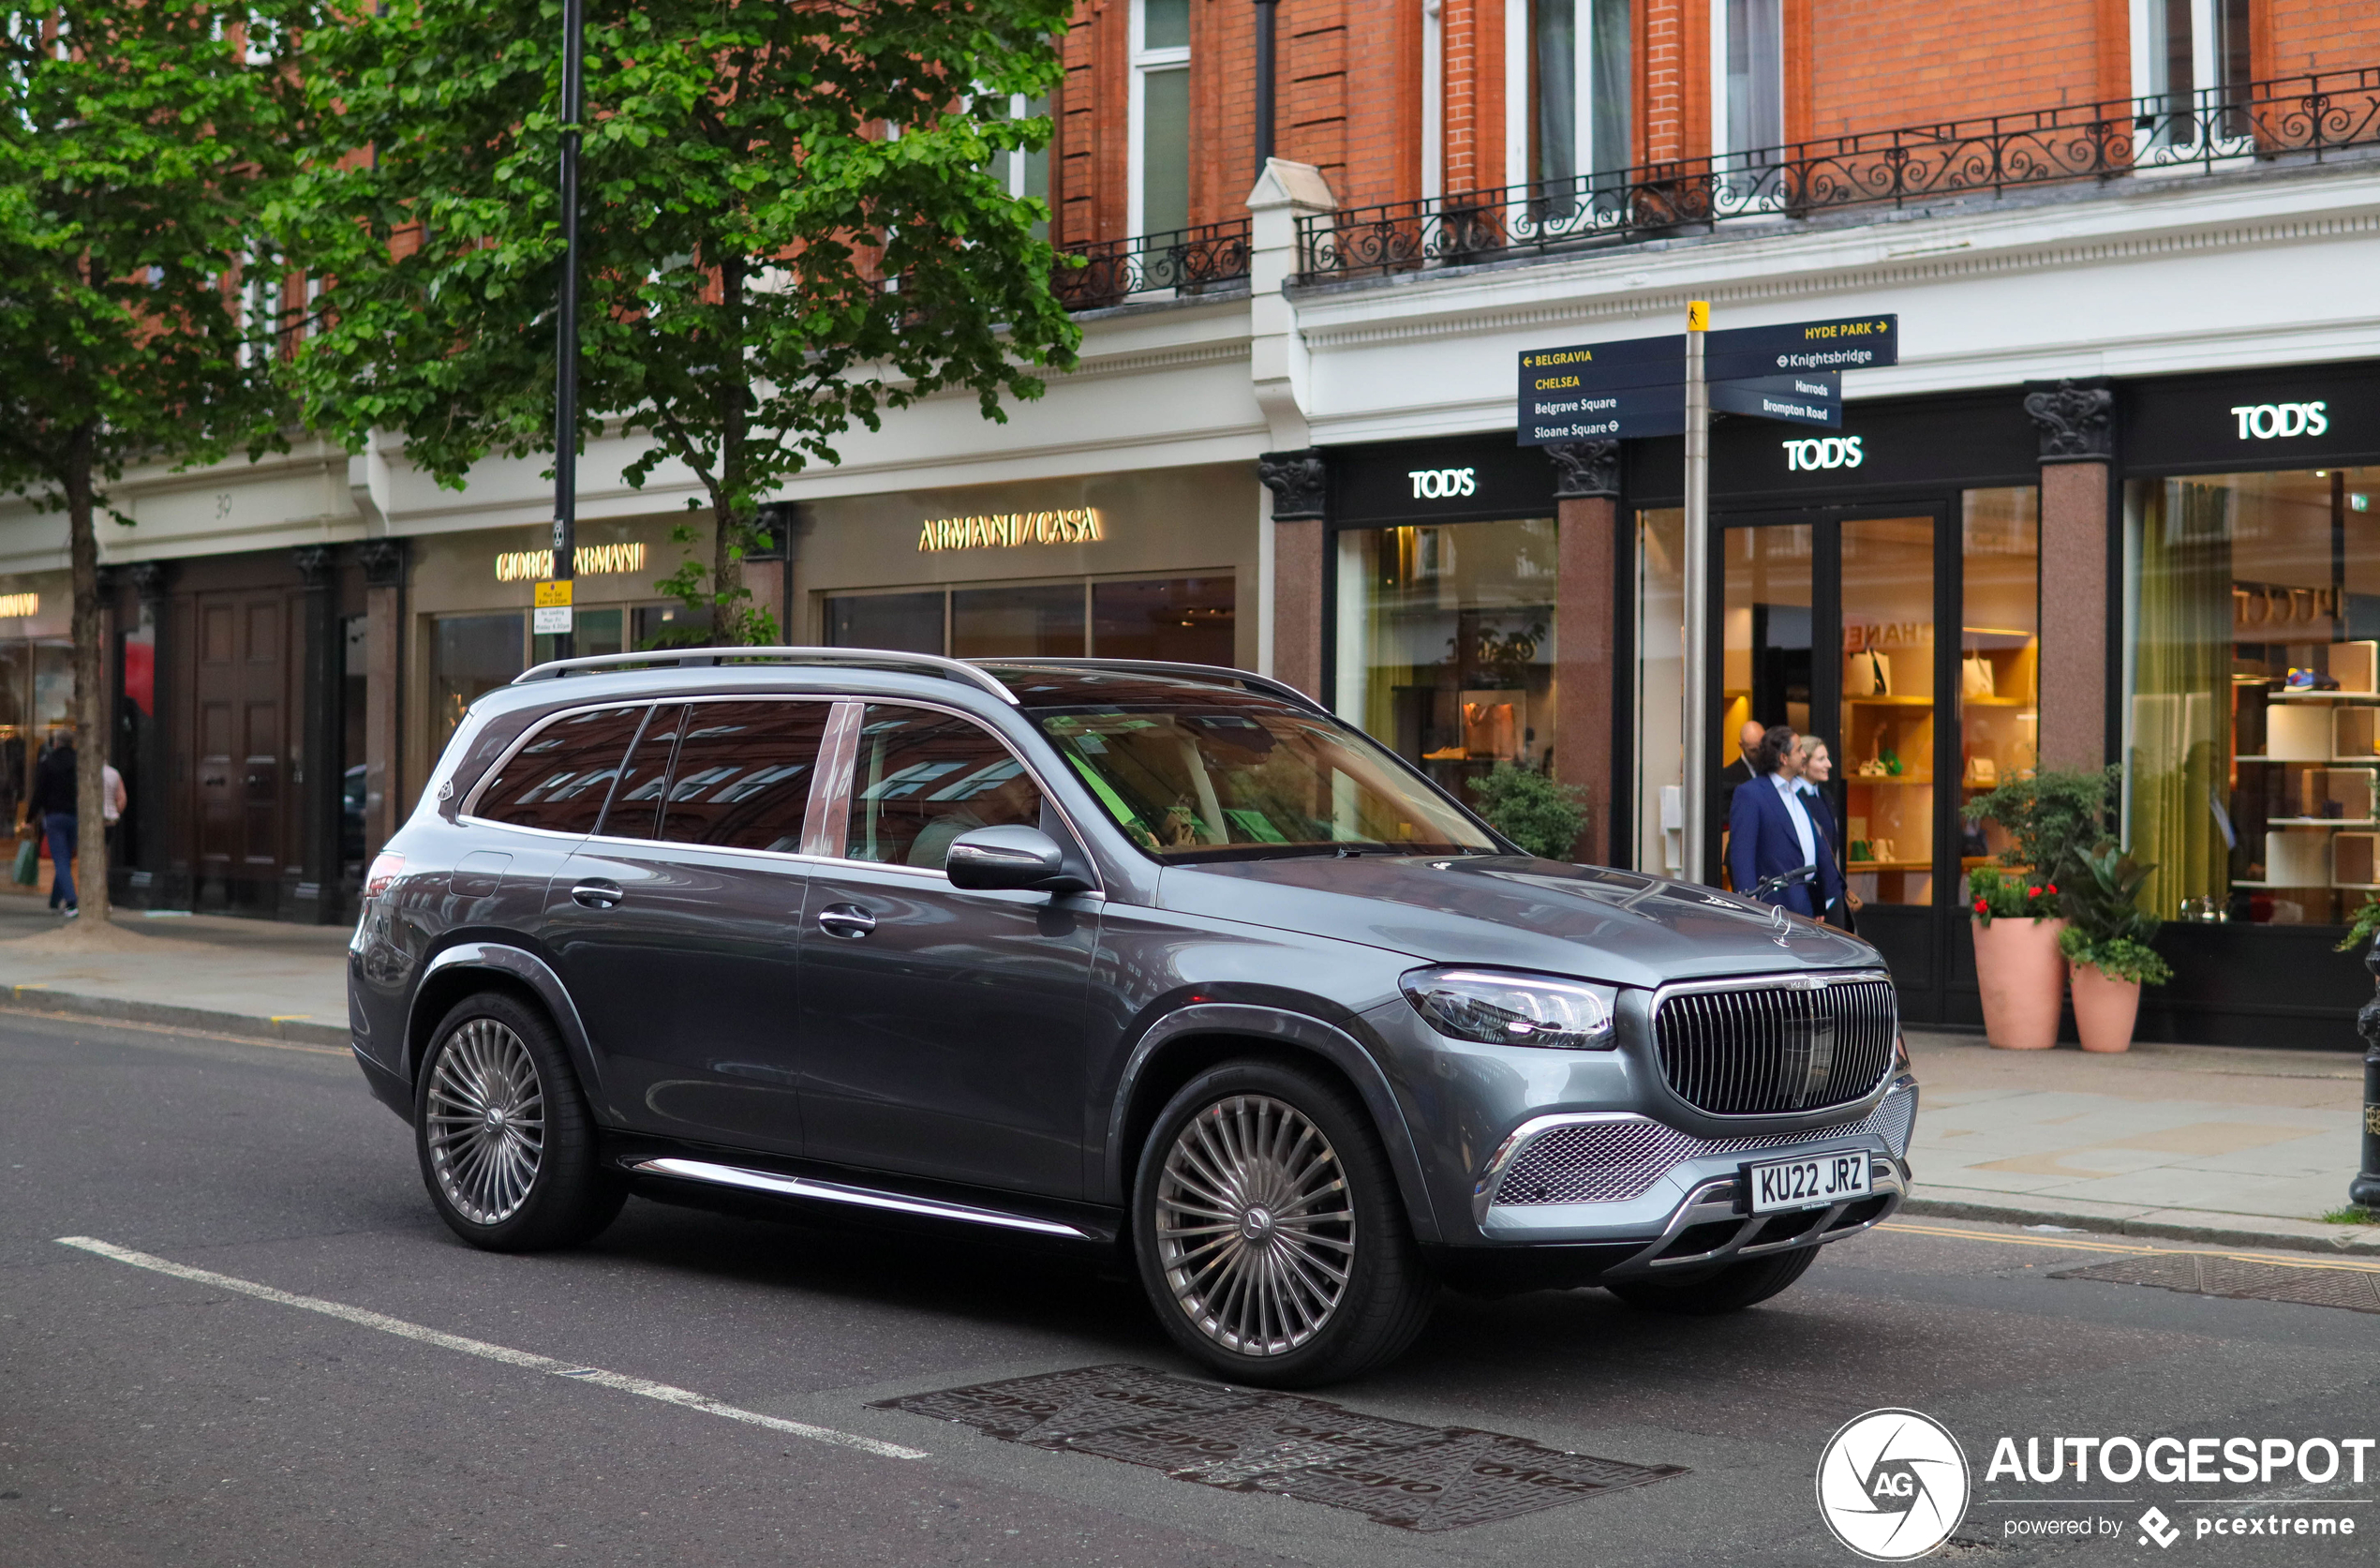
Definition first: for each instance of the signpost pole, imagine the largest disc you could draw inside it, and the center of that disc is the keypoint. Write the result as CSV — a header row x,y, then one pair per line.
x,y
565,347
1695,769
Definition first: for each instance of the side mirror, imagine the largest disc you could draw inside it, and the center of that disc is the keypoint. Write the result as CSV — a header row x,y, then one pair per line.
x,y
995,859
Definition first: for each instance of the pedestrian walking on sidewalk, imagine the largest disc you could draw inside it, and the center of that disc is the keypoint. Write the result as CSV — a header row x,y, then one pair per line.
x,y
113,800
52,805
1771,831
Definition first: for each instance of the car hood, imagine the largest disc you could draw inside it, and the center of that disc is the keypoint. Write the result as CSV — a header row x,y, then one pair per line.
x,y
1515,912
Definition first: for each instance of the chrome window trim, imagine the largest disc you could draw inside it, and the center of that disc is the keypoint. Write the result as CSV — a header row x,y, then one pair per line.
x,y
468,810
840,805
1808,980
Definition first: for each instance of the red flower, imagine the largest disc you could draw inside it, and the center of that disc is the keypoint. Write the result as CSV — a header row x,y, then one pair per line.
x,y
2053,888
2033,893
1981,904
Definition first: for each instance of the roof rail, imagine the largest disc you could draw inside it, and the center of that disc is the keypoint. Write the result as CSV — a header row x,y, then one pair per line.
x,y
1253,682
842,658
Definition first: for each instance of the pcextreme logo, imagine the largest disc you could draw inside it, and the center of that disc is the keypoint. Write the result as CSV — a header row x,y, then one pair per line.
x,y
1892,1484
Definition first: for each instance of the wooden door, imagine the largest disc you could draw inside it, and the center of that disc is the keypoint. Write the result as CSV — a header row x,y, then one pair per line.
x,y
242,712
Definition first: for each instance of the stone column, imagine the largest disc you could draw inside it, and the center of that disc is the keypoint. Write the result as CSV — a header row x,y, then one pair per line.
x,y
1300,537
2076,422
383,563
314,899
1586,606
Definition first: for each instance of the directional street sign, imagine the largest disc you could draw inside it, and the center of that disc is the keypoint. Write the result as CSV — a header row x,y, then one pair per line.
x,y
1815,398
1635,387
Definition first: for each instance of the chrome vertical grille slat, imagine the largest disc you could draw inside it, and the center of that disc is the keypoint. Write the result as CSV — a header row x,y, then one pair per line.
x,y
1756,1050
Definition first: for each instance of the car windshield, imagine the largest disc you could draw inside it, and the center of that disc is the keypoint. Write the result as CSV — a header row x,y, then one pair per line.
x,y
1206,783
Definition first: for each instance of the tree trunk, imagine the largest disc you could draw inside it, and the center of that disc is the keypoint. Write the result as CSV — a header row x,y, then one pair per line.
x,y
90,701
732,508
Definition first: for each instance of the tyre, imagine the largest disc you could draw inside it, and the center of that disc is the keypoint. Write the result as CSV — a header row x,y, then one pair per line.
x,y
506,1142
1270,1232
1724,1289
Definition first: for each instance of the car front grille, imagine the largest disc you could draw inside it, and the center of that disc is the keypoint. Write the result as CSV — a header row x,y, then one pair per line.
x,y
1615,1160
1802,1044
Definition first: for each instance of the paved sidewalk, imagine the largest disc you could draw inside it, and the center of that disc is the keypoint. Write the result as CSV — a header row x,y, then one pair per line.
x,y
257,978
2193,1143
2197,1143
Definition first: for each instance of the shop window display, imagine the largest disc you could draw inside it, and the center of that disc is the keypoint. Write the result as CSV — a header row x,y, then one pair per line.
x,y
1446,643
2252,743
1999,653
1178,620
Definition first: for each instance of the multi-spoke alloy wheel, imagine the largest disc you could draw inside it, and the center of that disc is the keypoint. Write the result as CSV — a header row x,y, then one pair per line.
x,y
507,1143
1256,1225
486,1122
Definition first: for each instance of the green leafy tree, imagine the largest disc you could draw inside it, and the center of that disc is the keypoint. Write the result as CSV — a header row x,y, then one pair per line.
x,y
2051,814
138,144
792,219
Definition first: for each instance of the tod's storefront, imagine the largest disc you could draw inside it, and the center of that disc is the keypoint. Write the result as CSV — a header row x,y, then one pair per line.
x,y
2178,576
1153,565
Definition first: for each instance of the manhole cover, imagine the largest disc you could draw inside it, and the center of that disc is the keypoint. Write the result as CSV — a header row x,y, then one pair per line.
x,y
1399,1472
2212,1274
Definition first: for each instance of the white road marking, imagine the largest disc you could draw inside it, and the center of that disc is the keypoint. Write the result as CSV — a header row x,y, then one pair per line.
x,y
485,1352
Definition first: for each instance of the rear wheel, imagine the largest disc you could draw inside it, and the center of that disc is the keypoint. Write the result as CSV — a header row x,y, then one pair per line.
x,y
1729,1288
1271,1236
505,1144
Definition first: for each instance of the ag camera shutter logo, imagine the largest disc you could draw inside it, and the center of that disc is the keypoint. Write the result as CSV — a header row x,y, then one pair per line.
x,y
1443,483
1834,452
1892,1484
2264,421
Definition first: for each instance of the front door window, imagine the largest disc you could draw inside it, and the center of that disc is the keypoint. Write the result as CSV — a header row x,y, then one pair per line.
x,y
1888,720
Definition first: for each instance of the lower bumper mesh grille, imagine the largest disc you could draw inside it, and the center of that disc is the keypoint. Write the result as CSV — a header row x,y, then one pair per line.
x,y
1610,1162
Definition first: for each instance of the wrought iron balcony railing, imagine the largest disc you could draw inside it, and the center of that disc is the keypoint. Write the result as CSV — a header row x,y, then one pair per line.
x,y
2291,120
1182,261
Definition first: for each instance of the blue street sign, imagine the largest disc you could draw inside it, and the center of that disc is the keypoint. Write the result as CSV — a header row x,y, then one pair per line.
x,y
1810,400
1635,386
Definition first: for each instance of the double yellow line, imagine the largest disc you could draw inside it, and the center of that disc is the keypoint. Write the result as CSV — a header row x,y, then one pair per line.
x,y
2064,1244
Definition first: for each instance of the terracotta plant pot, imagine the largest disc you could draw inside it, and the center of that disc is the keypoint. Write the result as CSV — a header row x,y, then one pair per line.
x,y
2022,974
2104,1008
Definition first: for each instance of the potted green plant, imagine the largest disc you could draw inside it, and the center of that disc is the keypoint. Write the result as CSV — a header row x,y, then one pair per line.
x,y
2106,941
2018,965
2015,920
1527,807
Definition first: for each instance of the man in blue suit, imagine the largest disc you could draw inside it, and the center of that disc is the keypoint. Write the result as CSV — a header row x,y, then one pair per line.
x,y
1771,831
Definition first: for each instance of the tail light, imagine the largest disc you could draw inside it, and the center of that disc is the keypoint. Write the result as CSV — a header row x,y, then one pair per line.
x,y
385,873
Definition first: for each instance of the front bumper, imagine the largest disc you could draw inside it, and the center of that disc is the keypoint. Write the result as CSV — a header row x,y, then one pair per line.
x,y
1715,1225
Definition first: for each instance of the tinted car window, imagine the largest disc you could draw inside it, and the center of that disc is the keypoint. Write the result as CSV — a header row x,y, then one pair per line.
x,y
919,780
560,780
636,804
741,780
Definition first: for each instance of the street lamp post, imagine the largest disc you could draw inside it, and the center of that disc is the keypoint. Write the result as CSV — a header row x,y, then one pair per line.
x,y
566,341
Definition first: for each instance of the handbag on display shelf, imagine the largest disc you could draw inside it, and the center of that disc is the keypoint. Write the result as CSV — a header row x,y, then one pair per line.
x,y
1867,674
1975,678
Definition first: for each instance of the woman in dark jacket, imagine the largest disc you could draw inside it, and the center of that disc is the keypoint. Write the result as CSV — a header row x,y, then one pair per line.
x,y
51,808
1771,831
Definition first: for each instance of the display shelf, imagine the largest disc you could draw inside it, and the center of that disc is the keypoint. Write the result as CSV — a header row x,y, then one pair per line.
x,y
1887,779
1989,702
1890,865
2316,762
2322,822
1890,702
2323,696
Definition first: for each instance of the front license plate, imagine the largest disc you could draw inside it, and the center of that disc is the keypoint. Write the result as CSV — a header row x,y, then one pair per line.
x,y
1808,1183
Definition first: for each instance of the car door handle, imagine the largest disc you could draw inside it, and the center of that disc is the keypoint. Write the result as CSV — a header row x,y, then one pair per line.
x,y
596,895
846,920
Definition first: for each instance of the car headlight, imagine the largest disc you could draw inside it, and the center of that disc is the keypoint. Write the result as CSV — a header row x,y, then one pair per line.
x,y
1514,1010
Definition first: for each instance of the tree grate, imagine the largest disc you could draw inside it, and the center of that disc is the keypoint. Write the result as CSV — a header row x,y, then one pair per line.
x,y
2212,1274
1397,1473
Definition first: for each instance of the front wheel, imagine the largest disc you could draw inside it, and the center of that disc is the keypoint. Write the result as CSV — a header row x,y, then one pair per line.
x,y
1729,1288
1270,1232
506,1142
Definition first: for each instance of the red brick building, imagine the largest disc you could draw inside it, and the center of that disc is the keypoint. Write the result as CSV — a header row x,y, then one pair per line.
x,y
1398,100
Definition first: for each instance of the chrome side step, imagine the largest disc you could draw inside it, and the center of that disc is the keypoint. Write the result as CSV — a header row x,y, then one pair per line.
x,y
858,1197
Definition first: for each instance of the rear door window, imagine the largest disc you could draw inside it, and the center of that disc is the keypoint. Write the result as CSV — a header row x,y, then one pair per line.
x,y
560,779
919,779
742,775
636,800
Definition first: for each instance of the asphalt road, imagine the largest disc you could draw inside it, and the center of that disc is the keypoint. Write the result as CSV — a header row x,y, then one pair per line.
x,y
147,1418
